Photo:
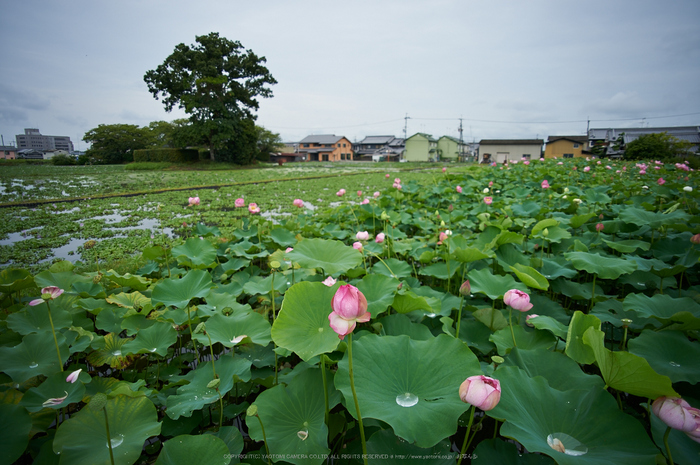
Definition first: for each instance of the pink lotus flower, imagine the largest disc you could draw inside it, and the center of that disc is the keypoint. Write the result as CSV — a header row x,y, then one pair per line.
x,y
73,377
545,184
387,176
642,171
289,249
357,246
661,181
529,317
465,288
490,183
329,281
364,202
239,202
253,208
517,300
298,203
377,194
397,180
397,185
599,227
193,201
380,238
349,308
459,189
695,239
676,413
444,169
362,236
488,200
481,391
586,169
47,293
359,193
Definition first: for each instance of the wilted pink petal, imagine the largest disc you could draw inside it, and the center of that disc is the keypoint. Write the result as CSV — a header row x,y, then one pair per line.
x,y
329,281
73,377
54,401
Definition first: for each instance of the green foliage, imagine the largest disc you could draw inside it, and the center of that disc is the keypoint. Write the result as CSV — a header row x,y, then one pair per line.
x,y
63,160
115,143
217,83
659,146
166,155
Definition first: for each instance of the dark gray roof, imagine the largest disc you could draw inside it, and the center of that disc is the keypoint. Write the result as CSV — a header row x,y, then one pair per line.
x,y
321,139
580,139
377,139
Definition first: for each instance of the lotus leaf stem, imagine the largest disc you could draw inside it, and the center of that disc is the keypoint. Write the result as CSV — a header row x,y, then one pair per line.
x,y
510,324
467,434
109,438
354,396
668,449
55,341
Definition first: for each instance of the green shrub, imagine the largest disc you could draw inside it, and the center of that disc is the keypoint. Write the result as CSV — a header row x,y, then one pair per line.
x,y
148,166
63,159
166,155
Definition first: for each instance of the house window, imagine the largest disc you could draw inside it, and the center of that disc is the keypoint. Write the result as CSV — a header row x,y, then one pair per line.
x,y
575,146
568,155
325,157
306,145
343,144
526,156
342,156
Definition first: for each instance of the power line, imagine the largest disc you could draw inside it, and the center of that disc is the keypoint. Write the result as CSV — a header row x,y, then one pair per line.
x,y
555,122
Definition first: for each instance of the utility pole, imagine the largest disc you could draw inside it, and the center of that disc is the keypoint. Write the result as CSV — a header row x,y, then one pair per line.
x,y
405,126
461,141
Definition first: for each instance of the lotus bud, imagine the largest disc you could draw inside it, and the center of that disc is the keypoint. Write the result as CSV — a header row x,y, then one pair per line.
x,y
481,391
465,288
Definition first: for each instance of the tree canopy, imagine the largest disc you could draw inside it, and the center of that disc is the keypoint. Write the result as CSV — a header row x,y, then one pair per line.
x,y
217,82
656,146
115,143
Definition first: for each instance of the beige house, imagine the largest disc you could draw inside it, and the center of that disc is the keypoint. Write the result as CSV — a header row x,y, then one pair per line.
x,y
500,150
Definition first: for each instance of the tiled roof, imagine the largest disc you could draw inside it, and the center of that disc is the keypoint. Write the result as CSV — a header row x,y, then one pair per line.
x,y
511,142
321,139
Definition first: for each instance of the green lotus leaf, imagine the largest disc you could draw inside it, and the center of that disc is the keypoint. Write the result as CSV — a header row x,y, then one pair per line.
x,y
588,423
203,230
530,277
293,418
669,353
36,319
550,324
556,267
83,437
197,394
654,220
157,338
448,302
54,387
392,450
542,225
178,292
13,280
186,450
134,300
257,285
15,426
492,451
556,234
561,372
575,347
440,270
398,324
494,286
89,290
229,329
137,283
232,438
393,268
110,319
579,220
379,290
524,339
63,280
410,302
332,256
135,323
302,325
492,317
476,335
625,371
235,264
35,355
526,209
603,267
595,196
628,246
109,352
508,237
662,307
195,253
283,237
155,252
470,254
408,384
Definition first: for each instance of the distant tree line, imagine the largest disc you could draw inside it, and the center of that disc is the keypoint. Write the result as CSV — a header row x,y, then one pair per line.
x,y
217,83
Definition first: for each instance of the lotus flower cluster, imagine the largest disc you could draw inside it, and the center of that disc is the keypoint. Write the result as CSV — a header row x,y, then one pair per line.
x,y
349,308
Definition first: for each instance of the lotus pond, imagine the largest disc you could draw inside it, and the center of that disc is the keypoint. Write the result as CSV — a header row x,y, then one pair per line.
x,y
582,308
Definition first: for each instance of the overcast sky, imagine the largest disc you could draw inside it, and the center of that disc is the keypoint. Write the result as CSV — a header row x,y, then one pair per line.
x,y
509,69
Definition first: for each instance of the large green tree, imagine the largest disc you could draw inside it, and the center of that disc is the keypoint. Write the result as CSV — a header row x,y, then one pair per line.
x,y
657,146
267,142
217,82
115,143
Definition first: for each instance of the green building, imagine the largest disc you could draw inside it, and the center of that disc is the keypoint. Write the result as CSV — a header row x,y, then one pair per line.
x,y
450,148
421,147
